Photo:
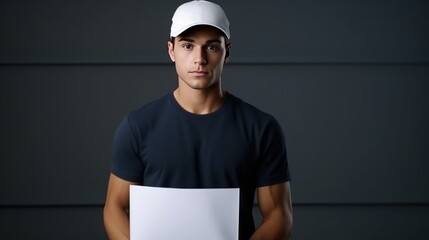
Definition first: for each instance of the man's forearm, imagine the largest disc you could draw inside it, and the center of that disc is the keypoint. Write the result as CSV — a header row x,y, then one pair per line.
x,y
276,227
116,222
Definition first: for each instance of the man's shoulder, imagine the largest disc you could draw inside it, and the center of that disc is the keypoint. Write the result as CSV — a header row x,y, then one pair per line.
x,y
248,109
149,112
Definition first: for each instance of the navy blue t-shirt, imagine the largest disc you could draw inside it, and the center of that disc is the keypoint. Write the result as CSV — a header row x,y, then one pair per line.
x,y
237,146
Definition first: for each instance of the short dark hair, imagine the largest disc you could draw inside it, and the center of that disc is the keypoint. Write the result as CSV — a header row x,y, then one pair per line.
x,y
227,42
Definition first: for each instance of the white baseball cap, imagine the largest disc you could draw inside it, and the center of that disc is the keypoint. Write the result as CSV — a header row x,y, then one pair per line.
x,y
195,13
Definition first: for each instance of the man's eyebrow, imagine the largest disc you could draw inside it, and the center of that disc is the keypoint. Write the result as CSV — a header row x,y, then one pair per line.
x,y
214,41
207,42
186,40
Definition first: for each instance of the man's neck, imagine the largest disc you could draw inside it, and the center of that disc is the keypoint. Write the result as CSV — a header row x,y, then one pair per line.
x,y
199,101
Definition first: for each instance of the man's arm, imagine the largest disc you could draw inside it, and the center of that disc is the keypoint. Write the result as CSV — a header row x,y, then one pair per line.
x,y
276,207
115,213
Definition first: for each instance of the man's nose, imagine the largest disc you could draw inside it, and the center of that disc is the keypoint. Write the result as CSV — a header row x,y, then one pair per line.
x,y
200,56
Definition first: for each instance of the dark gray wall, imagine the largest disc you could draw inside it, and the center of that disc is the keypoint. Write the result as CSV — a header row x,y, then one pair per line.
x,y
348,81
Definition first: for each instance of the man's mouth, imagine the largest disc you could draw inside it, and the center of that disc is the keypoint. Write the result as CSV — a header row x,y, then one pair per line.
x,y
198,73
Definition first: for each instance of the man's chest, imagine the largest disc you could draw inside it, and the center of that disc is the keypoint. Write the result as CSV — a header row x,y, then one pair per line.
x,y
218,151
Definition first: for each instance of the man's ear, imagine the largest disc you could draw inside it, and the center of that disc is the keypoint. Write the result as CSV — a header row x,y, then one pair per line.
x,y
228,49
171,51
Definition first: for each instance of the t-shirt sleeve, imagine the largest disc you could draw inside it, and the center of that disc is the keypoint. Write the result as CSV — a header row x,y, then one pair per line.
x,y
273,164
126,163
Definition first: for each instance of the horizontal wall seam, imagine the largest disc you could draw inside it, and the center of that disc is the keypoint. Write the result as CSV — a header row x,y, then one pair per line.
x,y
228,64
378,204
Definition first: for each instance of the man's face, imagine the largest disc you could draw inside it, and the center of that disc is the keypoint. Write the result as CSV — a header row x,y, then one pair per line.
x,y
199,55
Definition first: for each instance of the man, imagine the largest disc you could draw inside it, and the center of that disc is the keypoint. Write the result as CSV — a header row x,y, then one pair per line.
x,y
200,136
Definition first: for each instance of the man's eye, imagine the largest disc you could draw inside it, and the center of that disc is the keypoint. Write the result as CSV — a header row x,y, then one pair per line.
x,y
213,48
187,46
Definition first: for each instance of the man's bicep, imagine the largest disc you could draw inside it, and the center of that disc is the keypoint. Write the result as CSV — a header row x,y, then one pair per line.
x,y
275,197
118,191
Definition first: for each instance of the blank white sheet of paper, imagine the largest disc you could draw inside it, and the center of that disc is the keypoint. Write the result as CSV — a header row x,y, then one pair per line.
x,y
181,213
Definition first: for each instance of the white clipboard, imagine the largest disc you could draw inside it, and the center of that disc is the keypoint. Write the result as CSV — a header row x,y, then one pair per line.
x,y
180,213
